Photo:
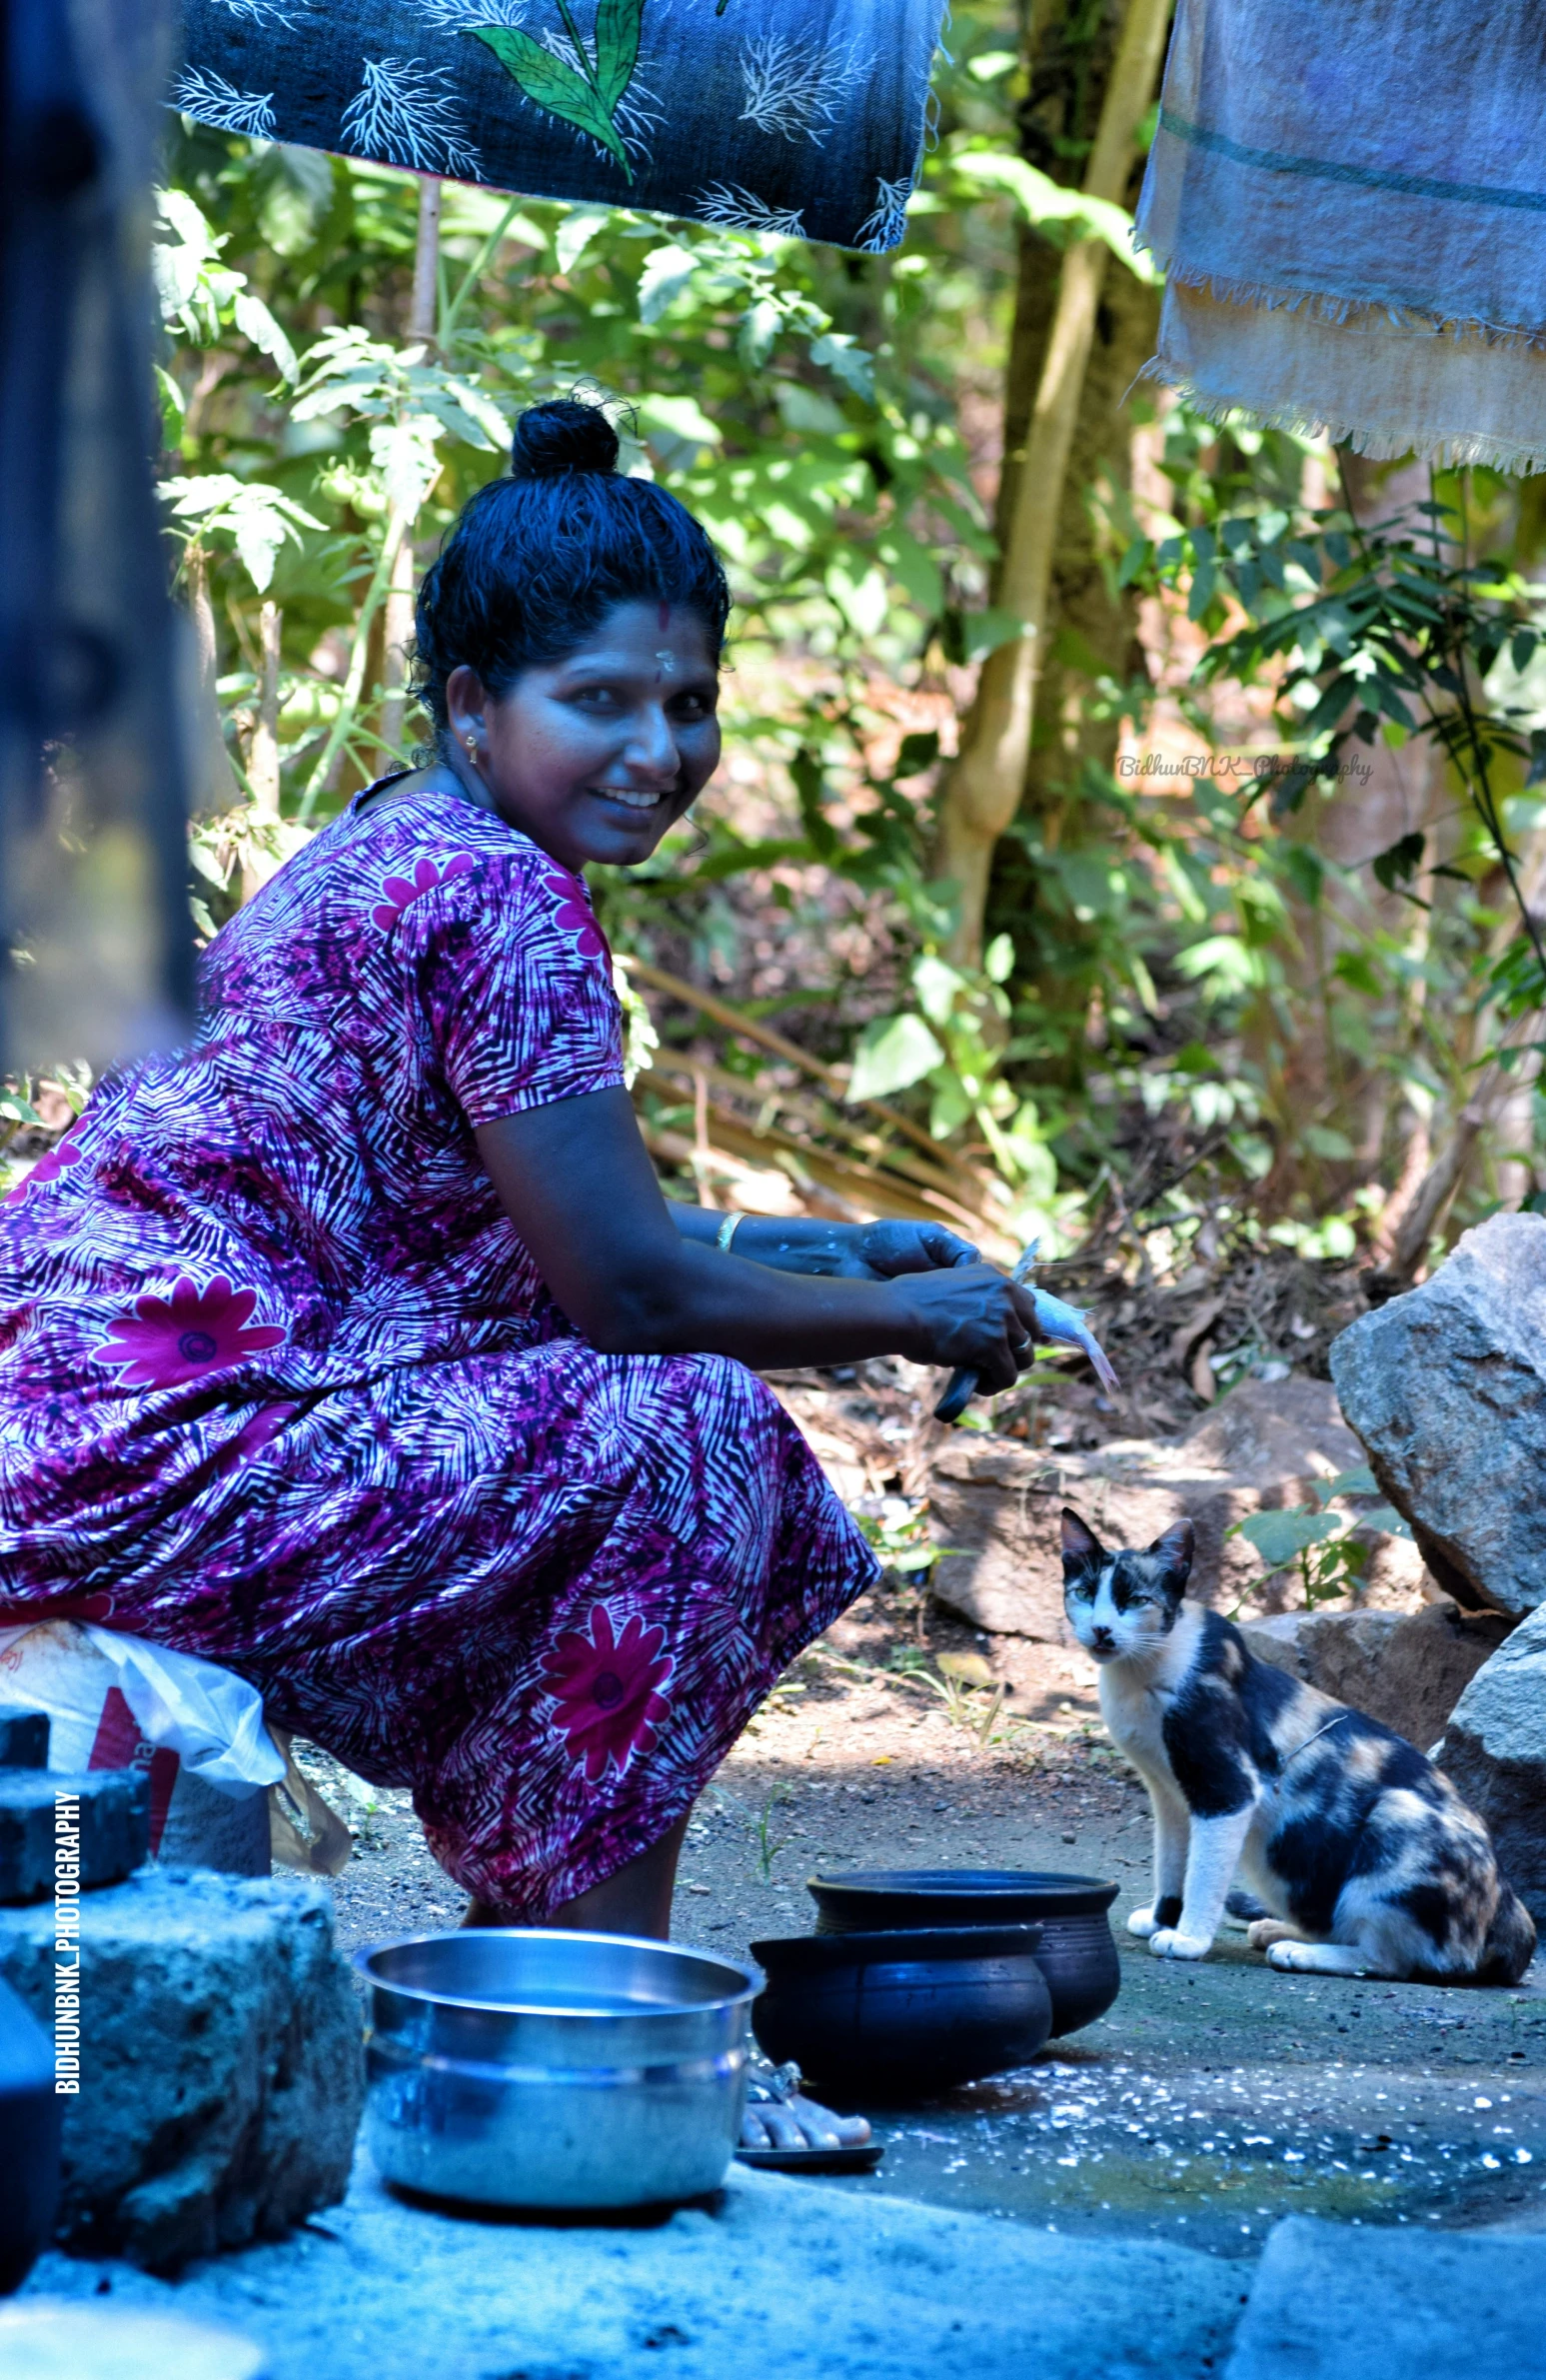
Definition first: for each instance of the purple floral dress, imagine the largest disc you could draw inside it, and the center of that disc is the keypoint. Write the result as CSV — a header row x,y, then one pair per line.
x,y
280,1385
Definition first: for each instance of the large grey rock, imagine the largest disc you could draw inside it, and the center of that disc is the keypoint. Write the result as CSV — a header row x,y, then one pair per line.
x,y
994,1504
101,1836
220,2062
1406,1669
1496,1749
776,2276
1446,1387
1329,2301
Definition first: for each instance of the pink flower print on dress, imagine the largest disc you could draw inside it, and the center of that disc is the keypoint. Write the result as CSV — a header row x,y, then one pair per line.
x,y
48,1169
607,1689
574,914
166,1340
400,891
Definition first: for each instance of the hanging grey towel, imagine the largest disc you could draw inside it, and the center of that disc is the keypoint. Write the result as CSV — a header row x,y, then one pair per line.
x,y
1350,202
799,117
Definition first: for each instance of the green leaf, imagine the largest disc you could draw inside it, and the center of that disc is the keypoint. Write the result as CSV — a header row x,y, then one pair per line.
x,y
575,234
256,323
999,958
1399,860
892,1054
665,275
618,24
853,365
551,84
1280,1537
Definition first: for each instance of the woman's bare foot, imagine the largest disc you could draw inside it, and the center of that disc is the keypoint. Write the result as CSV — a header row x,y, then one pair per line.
x,y
800,2124
778,2116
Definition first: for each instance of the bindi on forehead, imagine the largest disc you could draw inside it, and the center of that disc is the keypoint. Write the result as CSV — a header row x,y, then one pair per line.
x,y
663,617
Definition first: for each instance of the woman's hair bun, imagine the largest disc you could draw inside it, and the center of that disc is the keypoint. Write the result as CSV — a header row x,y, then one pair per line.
x,y
564,435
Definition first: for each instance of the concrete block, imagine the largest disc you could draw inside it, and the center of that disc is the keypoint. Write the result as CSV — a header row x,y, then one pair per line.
x,y
221,2064
114,1805
23,1738
1328,2301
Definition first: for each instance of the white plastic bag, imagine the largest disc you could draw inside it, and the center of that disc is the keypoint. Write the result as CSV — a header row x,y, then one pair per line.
x,y
117,1701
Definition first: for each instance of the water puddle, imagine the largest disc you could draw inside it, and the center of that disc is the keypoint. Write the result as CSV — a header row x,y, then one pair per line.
x,y
1088,2144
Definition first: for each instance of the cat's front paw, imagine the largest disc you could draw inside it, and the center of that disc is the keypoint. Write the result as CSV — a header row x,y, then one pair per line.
x,y
1170,1942
1143,1922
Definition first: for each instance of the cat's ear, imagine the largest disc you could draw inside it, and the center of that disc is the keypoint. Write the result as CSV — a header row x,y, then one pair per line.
x,y
1174,1551
1082,1546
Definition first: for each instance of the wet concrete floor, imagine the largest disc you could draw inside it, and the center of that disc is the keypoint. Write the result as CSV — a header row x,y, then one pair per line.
x,y
1213,2100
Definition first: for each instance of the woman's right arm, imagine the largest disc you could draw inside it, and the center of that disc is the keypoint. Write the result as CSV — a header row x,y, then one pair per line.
x,y
575,1181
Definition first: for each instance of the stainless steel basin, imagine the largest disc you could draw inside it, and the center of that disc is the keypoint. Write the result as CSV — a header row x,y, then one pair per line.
x,y
525,2068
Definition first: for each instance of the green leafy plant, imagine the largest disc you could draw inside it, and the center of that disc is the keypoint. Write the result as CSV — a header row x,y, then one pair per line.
x,y
1326,1548
588,93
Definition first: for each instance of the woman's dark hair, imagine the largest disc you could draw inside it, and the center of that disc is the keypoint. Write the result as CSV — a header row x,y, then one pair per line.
x,y
538,560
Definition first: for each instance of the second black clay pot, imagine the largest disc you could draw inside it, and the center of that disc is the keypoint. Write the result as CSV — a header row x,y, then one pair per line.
x,y
1076,1953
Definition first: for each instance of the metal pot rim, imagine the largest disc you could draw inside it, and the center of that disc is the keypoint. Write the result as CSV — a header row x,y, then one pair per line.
x,y
752,1980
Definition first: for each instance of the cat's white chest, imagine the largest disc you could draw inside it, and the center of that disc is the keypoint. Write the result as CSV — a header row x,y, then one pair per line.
x,y
1134,1714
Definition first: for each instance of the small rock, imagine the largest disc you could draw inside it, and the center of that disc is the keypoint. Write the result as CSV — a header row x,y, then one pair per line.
x,y
1405,1668
1446,1387
114,1820
1496,1749
221,2063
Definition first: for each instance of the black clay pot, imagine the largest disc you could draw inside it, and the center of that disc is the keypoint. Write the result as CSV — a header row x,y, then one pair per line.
x,y
31,2120
902,2016
1076,1953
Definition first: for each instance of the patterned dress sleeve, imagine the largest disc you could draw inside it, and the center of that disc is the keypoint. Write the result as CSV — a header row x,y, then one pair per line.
x,y
518,987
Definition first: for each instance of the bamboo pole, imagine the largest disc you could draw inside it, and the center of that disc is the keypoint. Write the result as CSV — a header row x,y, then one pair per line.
x,y
982,791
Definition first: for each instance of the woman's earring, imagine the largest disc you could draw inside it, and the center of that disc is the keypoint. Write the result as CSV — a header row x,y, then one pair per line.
x,y
471,743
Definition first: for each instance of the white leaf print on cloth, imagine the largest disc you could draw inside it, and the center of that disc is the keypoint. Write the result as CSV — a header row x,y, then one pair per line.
x,y
403,112
886,223
262,12
458,16
740,209
209,97
797,89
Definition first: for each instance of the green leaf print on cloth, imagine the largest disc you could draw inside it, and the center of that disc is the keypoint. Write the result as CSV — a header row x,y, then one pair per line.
x,y
589,93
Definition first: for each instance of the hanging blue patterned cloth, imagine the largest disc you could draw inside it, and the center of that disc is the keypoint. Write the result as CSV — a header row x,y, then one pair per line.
x,y
799,117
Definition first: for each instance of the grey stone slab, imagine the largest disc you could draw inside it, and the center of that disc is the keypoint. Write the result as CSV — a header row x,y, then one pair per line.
x,y
777,2277
220,2062
114,1826
1330,2301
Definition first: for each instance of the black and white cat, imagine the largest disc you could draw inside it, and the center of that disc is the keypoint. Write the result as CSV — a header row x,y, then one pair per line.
x,y
1362,1852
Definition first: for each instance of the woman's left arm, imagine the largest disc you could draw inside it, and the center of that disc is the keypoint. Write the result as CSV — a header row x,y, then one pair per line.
x,y
839,1251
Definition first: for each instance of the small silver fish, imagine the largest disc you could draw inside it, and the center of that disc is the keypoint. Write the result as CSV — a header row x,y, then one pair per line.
x,y
1063,1325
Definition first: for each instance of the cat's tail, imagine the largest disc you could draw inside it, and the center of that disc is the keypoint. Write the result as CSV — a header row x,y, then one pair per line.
x,y
1510,1943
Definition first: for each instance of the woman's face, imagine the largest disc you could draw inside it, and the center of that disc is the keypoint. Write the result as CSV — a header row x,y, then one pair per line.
x,y
594,755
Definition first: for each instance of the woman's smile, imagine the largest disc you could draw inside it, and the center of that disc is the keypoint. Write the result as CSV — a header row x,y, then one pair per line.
x,y
595,755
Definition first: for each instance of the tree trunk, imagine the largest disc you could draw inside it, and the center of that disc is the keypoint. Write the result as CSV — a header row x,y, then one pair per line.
x,y
984,790
263,752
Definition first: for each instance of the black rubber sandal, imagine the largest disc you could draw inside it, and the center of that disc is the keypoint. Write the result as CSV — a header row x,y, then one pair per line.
x,y
780,2087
